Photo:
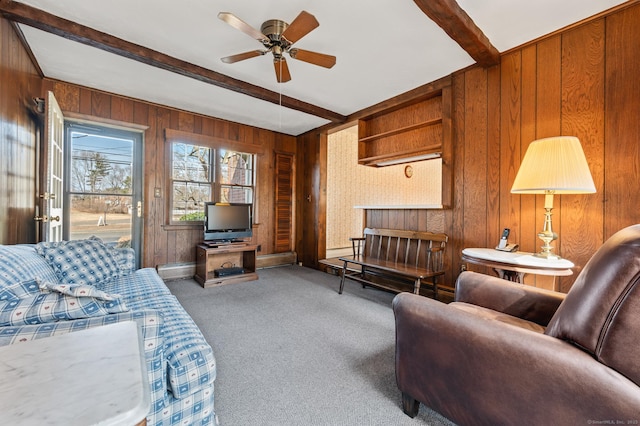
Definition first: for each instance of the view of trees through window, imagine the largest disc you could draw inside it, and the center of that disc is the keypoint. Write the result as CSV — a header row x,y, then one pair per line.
x,y
100,187
192,177
201,174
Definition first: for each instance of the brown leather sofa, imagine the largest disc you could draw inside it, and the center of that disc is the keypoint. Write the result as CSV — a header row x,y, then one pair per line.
x,y
504,353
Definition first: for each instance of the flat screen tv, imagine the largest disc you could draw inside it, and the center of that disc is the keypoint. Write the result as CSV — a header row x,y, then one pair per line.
x,y
227,222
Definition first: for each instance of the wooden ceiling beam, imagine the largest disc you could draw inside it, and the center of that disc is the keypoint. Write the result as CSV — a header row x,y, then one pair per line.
x,y
36,18
454,21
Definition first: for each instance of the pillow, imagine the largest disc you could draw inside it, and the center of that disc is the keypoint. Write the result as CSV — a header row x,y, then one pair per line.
x,y
21,263
87,261
55,306
19,290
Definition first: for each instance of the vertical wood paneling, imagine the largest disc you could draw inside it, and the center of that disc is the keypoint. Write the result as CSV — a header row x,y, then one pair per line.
x,y
494,220
622,126
85,101
100,104
475,147
19,83
528,212
152,206
510,138
456,230
121,109
583,116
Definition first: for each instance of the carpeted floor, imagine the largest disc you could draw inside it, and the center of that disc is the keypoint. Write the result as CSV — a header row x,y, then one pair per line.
x,y
291,351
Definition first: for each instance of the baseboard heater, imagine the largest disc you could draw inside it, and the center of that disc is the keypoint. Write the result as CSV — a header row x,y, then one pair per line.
x,y
225,272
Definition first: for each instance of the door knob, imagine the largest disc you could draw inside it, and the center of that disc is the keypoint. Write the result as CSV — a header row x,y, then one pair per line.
x,y
55,219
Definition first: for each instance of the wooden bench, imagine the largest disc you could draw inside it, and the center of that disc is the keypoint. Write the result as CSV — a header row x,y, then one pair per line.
x,y
398,255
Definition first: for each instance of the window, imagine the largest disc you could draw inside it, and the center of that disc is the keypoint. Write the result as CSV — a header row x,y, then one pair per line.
x,y
236,177
200,174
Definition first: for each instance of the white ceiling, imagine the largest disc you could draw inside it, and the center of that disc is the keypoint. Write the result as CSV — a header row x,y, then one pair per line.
x,y
383,48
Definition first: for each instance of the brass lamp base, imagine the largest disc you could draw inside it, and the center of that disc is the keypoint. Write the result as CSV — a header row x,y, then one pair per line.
x,y
547,236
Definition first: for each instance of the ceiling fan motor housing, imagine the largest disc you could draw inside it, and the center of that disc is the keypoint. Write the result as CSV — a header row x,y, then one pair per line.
x,y
273,29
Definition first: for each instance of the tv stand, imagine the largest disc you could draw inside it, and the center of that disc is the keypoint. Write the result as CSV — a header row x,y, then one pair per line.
x,y
212,256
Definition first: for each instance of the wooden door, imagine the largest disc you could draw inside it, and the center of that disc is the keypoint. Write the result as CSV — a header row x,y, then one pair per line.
x,y
52,219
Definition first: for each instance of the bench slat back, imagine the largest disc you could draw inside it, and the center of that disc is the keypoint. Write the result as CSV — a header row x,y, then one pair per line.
x,y
420,249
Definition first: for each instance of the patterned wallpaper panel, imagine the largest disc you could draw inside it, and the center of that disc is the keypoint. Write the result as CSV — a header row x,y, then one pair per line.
x,y
350,184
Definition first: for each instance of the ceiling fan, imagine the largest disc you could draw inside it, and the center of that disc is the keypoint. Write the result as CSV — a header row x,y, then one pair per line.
x,y
277,37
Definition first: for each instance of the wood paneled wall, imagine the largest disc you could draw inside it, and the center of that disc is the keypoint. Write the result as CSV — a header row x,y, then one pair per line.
x,y
19,130
163,243
582,81
578,82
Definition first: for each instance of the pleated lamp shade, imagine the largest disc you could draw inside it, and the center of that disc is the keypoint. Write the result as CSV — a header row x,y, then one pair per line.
x,y
556,165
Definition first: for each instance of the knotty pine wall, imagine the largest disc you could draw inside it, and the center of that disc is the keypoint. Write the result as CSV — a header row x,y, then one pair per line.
x,y
582,81
170,244
19,134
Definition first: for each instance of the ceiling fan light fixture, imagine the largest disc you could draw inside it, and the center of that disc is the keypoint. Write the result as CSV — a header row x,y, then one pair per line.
x,y
277,37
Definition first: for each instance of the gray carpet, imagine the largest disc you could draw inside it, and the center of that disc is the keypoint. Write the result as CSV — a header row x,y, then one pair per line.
x,y
291,351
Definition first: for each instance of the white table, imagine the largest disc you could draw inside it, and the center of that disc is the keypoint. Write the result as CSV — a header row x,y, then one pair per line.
x,y
89,377
514,265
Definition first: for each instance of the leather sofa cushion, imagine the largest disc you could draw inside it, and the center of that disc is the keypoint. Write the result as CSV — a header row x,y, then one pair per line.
x,y
490,314
601,312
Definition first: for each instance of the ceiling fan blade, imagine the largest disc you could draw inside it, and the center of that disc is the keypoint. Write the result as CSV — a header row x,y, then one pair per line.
x,y
242,56
282,70
300,27
239,24
314,58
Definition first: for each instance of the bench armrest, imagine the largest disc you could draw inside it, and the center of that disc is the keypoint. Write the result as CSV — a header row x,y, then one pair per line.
x,y
522,301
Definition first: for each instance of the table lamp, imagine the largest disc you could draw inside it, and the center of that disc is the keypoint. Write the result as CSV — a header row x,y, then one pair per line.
x,y
555,165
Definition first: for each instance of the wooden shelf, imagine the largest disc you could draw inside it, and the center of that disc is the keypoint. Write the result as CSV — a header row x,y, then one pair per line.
x,y
406,132
373,161
401,130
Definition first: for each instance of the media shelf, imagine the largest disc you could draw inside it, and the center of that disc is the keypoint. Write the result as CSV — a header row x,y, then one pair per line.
x,y
210,257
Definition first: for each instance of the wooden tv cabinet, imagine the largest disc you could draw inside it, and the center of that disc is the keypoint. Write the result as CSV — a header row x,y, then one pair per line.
x,y
212,257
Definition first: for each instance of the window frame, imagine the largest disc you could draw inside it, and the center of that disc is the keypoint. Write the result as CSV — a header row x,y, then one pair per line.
x,y
215,145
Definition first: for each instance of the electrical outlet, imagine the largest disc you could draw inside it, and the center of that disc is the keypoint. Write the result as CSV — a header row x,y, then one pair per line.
x,y
157,192
259,247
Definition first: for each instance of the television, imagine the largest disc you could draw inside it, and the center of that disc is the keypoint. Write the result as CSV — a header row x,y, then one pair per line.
x,y
227,222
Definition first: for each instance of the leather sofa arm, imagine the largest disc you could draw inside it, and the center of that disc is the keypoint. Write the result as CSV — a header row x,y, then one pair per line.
x,y
477,371
522,301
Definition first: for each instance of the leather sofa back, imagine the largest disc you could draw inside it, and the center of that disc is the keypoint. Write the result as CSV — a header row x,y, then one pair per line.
x,y
601,312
